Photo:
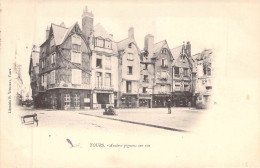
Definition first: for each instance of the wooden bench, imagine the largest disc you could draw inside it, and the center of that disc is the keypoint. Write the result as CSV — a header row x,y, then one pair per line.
x,y
34,116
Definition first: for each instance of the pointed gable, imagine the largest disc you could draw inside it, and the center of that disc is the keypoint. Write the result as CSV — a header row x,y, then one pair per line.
x,y
123,44
176,52
158,48
58,33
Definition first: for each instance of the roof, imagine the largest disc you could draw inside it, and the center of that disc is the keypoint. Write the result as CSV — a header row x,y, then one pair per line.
x,y
59,32
121,45
100,31
158,47
176,52
204,54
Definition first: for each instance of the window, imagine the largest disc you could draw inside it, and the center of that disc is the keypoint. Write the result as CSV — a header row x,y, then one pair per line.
x,y
76,39
76,57
108,63
176,71
128,86
76,76
98,63
144,89
99,79
185,72
108,44
52,42
76,101
53,77
145,66
177,87
100,42
108,80
53,58
43,63
164,63
164,51
130,45
130,56
163,74
67,100
163,89
130,70
186,87
146,78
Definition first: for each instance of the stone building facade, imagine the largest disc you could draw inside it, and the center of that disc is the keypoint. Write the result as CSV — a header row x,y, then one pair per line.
x,y
128,71
86,69
104,75
204,63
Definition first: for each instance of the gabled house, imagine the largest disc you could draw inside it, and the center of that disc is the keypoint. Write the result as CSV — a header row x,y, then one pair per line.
x,y
64,70
128,71
104,75
183,76
204,81
34,75
160,55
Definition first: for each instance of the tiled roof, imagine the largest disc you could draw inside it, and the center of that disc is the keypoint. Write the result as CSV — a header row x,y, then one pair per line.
x,y
176,52
204,54
100,31
121,45
59,33
157,48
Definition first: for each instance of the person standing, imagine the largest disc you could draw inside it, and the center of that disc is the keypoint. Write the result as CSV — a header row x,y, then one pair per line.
x,y
169,106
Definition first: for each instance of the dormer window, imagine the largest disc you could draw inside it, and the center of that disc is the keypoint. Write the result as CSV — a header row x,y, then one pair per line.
x,y
130,45
100,42
164,51
108,44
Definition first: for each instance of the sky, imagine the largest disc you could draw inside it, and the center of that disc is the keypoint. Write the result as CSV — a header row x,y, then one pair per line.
x,y
205,24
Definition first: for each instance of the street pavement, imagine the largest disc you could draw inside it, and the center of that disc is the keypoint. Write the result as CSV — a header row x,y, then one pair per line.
x,y
48,144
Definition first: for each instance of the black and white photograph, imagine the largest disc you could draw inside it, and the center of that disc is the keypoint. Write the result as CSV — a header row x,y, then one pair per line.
x,y
118,84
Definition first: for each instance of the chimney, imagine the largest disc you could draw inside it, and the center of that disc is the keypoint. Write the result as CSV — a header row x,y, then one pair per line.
x,y
188,49
149,44
47,32
131,33
87,23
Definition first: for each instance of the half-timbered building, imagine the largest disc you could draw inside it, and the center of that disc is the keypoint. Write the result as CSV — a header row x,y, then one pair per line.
x,y
161,57
183,75
64,71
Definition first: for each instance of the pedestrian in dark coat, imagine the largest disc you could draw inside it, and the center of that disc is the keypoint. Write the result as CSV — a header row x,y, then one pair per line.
x,y
169,106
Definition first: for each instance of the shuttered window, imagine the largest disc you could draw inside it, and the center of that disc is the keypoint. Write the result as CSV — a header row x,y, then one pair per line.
x,y
53,58
76,57
76,76
53,77
76,39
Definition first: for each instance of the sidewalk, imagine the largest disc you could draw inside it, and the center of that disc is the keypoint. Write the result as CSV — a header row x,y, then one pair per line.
x,y
181,119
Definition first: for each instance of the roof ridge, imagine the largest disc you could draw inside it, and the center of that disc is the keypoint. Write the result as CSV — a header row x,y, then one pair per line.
x,y
122,40
176,47
59,26
159,41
